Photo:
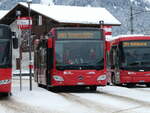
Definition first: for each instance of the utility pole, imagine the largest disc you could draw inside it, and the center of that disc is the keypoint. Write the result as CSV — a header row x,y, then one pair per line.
x,y
131,20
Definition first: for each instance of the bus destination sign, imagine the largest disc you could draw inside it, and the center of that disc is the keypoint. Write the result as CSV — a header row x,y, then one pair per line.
x,y
78,34
135,44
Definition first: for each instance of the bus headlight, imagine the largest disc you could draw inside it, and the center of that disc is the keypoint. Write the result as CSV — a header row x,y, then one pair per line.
x,y
101,77
58,78
2,82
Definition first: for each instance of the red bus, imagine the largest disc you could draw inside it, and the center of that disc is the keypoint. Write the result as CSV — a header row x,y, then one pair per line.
x,y
71,57
130,60
6,59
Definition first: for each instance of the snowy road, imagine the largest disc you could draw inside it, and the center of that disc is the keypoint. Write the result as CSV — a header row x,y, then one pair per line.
x,y
10,105
110,99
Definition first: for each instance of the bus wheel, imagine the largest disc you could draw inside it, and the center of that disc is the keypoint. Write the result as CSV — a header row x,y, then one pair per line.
x,y
40,85
130,85
50,88
113,80
93,88
53,89
148,84
6,94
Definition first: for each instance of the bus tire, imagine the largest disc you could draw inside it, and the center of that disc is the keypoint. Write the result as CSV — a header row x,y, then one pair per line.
x,y
40,85
48,88
6,94
113,79
148,84
131,85
93,88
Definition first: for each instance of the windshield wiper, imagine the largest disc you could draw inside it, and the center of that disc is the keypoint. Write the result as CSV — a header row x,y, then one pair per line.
x,y
139,63
134,63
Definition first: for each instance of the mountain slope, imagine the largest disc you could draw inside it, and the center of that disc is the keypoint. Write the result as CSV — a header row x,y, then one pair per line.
x,y
7,4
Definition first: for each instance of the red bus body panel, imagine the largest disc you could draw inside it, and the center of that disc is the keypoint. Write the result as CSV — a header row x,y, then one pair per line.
x,y
5,80
134,77
79,77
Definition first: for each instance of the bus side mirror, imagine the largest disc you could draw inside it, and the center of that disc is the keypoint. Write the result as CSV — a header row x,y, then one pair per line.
x,y
50,35
14,40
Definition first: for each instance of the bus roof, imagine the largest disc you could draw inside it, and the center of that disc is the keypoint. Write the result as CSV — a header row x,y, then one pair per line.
x,y
130,37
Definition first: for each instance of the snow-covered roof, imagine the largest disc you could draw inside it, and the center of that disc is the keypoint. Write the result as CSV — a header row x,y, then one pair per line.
x,y
75,14
129,35
3,13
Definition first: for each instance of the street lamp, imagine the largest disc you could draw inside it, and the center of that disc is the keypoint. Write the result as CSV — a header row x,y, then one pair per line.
x,y
29,43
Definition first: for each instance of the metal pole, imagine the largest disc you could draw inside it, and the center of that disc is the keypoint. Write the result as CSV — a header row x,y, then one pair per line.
x,y
20,52
29,42
18,13
131,20
101,23
20,58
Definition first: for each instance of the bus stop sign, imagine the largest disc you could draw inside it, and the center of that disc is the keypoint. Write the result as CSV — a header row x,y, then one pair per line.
x,y
24,22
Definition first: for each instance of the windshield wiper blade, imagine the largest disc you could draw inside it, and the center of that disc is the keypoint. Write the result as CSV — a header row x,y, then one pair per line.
x,y
134,64
139,63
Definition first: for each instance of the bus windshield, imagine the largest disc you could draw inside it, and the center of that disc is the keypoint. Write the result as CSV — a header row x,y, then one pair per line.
x,y
84,54
136,54
5,53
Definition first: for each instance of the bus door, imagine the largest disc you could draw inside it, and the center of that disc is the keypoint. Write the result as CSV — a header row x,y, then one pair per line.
x,y
42,62
114,54
108,67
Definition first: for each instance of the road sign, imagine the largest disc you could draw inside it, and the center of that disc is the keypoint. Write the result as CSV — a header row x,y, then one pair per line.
x,y
24,22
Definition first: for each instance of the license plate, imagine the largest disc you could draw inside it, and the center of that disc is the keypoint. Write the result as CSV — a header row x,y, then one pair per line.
x,y
141,81
80,83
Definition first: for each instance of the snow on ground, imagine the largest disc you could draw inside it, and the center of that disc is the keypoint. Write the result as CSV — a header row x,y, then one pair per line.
x,y
38,97
109,99
136,100
128,92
